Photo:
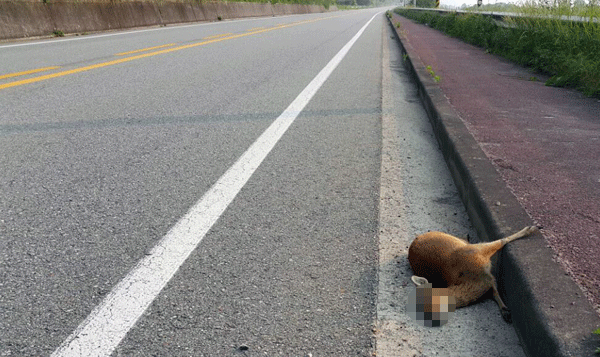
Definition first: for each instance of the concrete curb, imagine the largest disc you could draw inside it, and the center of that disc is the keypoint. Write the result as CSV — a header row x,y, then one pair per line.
x,y
550,313
20,19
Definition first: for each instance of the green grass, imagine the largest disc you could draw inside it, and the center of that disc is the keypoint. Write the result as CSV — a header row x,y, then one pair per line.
x,y
568,51
325,3
435,77
539,8
597,332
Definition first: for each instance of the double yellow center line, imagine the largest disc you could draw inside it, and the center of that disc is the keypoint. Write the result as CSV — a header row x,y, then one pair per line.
x,y
217,36
207,40
24,73
144,49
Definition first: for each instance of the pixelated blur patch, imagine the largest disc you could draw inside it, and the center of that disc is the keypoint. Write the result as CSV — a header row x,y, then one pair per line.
x,y
430,307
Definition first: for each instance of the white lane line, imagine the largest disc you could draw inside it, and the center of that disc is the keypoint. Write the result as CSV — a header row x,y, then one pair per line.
x,y
89,37
110,321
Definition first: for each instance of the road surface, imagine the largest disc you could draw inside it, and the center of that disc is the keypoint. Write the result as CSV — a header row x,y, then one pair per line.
x,y
213,190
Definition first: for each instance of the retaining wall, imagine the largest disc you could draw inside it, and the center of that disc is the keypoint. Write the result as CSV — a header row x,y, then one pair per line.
x,y
19,19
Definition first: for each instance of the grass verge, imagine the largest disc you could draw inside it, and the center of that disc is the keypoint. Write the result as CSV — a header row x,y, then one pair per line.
x,y
325,3
568,51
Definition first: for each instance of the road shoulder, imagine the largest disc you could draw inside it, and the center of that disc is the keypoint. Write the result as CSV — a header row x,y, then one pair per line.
x,y
550,314
416,195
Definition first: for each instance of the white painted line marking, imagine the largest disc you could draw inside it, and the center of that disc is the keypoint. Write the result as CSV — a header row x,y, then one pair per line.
x,y
110,321
89,37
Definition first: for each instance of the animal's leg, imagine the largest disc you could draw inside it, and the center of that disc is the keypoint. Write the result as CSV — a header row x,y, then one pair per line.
x,y
487,250
520,234
504,310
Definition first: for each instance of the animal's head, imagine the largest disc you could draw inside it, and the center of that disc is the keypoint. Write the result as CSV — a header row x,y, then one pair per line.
x,y
430,306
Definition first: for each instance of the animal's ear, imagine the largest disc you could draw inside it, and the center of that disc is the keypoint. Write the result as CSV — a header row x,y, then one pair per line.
x,y
419,280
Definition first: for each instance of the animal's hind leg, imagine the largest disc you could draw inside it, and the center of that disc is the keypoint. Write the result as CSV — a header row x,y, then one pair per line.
x,y
520,234
487,250
504,310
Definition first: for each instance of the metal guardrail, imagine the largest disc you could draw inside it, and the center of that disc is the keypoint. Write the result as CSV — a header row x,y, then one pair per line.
x,y
500,16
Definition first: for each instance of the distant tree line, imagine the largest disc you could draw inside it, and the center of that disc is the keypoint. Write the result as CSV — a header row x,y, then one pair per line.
x,y
426,3
420,3
354,2
374,3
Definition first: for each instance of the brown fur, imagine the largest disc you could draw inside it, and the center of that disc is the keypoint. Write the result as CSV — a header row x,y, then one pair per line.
x,y
465,269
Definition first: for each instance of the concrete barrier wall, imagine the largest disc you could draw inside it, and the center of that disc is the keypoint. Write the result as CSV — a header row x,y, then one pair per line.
x,y
22,19
19,19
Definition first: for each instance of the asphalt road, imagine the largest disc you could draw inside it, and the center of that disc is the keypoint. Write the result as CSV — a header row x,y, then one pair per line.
x,y
106,149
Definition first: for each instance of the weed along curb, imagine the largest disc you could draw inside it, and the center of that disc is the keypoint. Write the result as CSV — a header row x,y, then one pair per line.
x,y
549,312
